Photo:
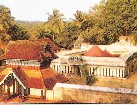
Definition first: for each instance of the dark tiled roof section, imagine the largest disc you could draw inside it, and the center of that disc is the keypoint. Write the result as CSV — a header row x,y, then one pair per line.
x,y
51,77
29,49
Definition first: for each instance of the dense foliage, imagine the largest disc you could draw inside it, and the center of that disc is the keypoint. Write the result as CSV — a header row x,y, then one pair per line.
x,y
102,24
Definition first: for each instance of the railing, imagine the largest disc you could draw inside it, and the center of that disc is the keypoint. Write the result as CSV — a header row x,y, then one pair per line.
x,y
96,88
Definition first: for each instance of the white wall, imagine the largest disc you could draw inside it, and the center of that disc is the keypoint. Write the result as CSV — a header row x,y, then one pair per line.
x,y
36,92
49,94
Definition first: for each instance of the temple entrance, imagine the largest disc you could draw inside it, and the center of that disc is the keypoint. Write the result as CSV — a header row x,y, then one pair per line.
x,y
12,87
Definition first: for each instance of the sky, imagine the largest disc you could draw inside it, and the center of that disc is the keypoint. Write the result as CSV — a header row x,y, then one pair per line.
x,y
35,10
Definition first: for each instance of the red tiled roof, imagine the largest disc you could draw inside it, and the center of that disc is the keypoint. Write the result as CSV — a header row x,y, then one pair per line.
x,y
51,77
46,54
30,78
95,51
3,73
39,79
28,49
108,54
41,41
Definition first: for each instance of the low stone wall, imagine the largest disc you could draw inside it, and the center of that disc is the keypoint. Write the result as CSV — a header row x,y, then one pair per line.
x,y
91,94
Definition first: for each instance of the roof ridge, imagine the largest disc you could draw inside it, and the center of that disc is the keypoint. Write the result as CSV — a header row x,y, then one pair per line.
x,y
42,78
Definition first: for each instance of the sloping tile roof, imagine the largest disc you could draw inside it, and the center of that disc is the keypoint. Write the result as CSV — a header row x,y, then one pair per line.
x,y
29,49
3,73
39,79
41,41
95,51
30,78
51,77
107,53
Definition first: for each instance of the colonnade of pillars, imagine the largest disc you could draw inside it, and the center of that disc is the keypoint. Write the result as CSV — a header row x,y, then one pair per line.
x,y
109,72
12,88
43,94
64,68
100,71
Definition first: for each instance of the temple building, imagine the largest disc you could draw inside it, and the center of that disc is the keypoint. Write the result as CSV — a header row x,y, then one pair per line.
x,y
26,70
99,62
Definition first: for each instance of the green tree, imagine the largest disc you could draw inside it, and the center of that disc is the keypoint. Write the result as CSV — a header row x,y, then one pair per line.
x,y
18,33
89,79
43,34
6,21
112,19
55,24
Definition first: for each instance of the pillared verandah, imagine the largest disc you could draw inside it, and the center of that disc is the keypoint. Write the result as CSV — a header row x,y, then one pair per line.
x,y
27,69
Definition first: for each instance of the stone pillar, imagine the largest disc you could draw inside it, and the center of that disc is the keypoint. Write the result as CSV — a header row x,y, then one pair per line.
x,y
8,91
18,88
57,68
120,73
96,71
111,73
25,92
104,71
3,87
22,91
13,86
65,71
117,72
73,69
45,94
123,73
41,94
91,70
101,71
68,69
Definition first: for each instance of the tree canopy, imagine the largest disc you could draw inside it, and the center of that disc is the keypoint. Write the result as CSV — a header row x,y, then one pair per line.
x,y
102,24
